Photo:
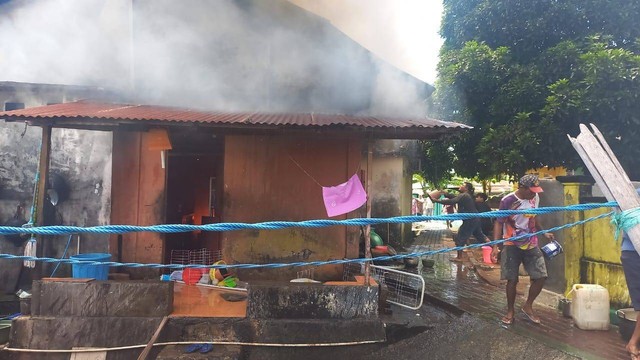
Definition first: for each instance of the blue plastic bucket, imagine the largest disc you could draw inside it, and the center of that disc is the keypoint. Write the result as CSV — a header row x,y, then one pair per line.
x,y
98,272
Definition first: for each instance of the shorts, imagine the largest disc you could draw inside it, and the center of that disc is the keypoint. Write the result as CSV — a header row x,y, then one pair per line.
x,y
631,266
513,256
470,227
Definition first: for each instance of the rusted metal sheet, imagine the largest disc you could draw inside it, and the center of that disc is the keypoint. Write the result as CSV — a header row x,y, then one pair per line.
x,y
270,178
89,112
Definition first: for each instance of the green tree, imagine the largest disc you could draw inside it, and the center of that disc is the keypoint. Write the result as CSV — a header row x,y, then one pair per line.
x,y
526,73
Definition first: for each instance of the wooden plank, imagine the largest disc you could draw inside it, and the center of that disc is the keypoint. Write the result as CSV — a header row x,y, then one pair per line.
x,y
367,234
125,191
614,179
151,203
42,249
608,150
611,177
592,169
147,349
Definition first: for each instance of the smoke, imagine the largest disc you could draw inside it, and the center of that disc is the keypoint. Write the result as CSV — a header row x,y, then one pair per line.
x,y
224,55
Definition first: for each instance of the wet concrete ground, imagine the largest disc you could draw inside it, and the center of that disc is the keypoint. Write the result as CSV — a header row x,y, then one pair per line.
x,y
435,333
465,323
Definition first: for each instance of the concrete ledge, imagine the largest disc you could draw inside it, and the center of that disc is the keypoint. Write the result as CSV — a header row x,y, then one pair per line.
x,y
274,330
102,298
547,298
311,301
280,331
67,332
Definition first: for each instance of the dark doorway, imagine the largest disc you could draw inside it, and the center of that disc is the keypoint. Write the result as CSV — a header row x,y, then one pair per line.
x,y
194,188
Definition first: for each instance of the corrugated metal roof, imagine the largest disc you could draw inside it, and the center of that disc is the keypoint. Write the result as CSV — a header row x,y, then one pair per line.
x,y
86,111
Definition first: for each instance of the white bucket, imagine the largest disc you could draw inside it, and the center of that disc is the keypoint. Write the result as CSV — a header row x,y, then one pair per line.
x,y
590,307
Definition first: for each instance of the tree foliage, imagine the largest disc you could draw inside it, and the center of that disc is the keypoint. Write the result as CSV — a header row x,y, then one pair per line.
x,y
526,73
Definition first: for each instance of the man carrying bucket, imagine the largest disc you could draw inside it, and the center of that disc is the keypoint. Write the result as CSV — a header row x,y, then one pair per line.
x,y
523,251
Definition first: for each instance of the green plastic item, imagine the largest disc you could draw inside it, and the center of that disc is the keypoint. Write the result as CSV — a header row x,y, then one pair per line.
x,y
376,240
229,281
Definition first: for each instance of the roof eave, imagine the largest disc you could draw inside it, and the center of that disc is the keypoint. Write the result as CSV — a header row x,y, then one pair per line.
x,y
83,123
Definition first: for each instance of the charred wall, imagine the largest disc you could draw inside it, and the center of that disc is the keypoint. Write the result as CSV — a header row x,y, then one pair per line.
x,y
81,158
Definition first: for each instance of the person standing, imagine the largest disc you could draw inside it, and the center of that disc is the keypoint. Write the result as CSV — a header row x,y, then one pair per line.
x,y
428,207
420,205
414,204
448,209
466,204
631,266
483,206
522,251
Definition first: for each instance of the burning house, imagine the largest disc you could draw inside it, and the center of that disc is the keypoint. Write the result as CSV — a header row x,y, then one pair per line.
x,y
253,56
173,165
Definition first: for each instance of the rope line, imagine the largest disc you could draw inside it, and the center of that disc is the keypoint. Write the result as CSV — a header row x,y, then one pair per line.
x,y
275,225
625,220
299,264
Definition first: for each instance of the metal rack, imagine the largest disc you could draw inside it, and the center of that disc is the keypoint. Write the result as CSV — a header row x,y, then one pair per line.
x,y
195,257
405,289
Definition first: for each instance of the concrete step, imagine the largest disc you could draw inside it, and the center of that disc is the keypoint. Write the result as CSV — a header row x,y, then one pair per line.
x,y
219,352
102,298
274,330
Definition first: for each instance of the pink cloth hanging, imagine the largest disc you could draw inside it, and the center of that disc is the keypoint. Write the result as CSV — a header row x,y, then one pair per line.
x,y
345,197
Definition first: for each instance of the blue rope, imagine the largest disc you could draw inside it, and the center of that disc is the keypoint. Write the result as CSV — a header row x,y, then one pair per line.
x,y
299,264
64,253
274,225
625,220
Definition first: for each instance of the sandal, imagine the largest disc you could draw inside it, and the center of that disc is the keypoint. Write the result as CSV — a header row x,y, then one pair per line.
x,y
193,348
506,320
205,348
531,317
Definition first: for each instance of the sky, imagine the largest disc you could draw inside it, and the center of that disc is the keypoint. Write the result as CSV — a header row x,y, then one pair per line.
x,y
402,32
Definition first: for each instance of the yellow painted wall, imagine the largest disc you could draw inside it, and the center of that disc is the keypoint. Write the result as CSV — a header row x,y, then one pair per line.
x,y
574,238
601,264
547,172
599,244
592,255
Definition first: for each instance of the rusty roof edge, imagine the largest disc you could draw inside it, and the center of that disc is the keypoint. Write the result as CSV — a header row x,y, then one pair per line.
x,y
97,113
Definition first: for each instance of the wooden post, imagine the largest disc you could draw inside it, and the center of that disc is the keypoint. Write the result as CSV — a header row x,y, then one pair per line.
x,y
43,169
147,349
367,232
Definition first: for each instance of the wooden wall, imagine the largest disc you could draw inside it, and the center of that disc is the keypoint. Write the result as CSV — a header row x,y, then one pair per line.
x,y
263,183
138,197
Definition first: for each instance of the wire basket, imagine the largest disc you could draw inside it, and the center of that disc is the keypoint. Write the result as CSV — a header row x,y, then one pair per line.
x,y
308,273
195,257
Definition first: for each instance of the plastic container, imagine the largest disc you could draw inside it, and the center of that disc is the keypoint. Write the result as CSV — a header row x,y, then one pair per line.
x,y
590,307
192,275
486,254
552,249
98,272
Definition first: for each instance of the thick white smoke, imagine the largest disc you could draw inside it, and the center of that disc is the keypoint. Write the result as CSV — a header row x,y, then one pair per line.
x,y
222,54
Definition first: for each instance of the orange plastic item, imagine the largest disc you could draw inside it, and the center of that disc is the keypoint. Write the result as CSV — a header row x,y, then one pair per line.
x,y
191,276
